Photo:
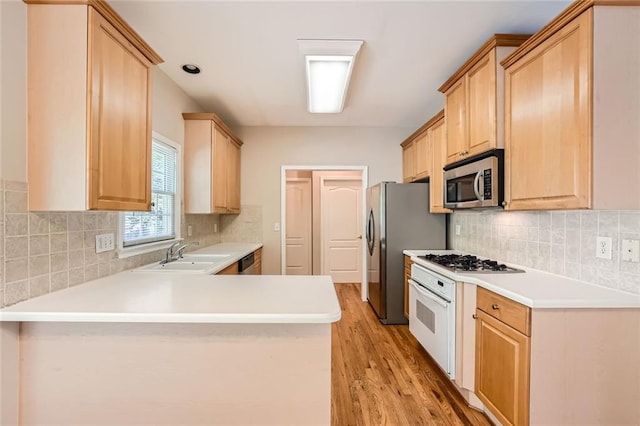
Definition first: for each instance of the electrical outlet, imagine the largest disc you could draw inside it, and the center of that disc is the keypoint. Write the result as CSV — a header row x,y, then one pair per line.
x,y
631,250
457,229
603,247
189,230
215,228
105,242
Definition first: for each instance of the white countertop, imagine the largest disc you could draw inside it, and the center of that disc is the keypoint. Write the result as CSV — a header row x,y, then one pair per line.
x,y
170,297
183,298
535,288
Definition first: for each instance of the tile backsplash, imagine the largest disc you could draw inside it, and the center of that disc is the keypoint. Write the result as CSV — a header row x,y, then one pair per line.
x,y
560,242
245,227
41,252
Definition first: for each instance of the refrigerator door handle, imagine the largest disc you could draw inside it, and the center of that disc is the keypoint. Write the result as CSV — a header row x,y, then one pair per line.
x,y
370,233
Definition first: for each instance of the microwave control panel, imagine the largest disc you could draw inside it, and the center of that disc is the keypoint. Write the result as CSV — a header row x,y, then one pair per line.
x,y
487,184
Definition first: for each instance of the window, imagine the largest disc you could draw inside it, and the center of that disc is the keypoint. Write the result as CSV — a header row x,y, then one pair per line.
x,y
161,224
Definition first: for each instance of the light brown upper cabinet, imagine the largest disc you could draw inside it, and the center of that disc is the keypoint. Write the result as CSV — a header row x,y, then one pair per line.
x,y
409,163
572,112
438,145
89,106
416,156
211,165
423,156
474,106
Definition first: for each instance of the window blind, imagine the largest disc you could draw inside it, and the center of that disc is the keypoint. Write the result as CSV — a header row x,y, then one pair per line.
x,y
158,224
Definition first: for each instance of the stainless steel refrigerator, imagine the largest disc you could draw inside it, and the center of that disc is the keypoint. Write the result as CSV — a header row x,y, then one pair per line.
x,y
398,219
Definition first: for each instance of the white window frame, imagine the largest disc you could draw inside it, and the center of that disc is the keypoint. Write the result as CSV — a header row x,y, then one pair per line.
x,y
143,248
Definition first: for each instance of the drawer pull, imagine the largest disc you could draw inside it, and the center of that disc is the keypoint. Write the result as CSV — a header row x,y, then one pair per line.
x,y
495,307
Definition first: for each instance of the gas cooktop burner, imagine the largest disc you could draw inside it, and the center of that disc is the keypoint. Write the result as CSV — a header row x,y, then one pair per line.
x,y
469,263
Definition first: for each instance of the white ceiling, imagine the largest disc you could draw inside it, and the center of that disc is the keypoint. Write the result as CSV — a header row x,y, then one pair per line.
x,y
253,74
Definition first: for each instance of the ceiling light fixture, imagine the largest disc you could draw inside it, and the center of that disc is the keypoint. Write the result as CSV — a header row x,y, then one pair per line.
x,y
328,65
191,69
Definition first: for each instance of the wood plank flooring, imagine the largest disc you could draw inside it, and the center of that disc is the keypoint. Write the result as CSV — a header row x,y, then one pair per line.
x,y
381,375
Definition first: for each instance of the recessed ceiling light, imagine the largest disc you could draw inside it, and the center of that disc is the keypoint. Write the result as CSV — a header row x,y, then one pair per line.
x,y
328,65
191,69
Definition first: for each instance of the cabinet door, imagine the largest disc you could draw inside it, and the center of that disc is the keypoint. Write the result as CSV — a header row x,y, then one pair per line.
x,y
481,90
438,140
219,173
409,162
233,178
455,118
422,156
502,370
548,135
119,145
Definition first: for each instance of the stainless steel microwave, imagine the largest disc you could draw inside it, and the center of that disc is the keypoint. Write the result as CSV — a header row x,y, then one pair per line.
x,y
475,182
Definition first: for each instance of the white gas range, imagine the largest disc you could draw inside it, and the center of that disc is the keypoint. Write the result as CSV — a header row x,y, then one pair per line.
x,y
432,304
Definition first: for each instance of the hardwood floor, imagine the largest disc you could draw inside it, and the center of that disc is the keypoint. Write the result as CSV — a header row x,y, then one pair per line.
x,y
380,374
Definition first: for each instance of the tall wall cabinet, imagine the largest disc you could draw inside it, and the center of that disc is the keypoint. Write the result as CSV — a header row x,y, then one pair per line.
x,y
572,105
89,81
474,100
211,165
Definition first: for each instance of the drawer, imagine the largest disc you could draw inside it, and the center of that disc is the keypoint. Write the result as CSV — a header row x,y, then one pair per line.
x,y
506,310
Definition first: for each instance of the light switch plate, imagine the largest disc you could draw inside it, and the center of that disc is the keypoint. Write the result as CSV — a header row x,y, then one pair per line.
x,y
457,229
603,247
276,227
105,242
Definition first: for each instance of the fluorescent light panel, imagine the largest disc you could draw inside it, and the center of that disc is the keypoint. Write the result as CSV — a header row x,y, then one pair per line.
x,y
327,81
328,66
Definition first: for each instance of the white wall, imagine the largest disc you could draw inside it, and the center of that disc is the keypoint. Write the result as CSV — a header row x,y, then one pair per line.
x,y
266,149
13,79
169,102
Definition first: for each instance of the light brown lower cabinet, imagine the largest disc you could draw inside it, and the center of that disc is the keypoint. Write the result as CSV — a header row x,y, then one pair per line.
x,y
556,366
230,270
502,369
257,261
407,276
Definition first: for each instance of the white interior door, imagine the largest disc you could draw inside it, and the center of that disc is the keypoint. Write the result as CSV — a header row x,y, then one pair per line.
x,y
298,226
341,229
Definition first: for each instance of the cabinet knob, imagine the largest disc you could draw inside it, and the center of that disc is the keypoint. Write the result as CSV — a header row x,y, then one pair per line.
x,y
495,307
504,204
474,316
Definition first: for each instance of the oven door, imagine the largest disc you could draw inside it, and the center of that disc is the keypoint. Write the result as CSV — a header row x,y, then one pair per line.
x,y
431,322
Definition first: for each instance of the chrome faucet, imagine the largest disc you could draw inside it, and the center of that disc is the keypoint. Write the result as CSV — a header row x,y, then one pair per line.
x,y
180,249
170,257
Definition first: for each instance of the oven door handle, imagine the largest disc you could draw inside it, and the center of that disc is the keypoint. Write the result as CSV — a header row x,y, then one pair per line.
x,y
428,294
476,185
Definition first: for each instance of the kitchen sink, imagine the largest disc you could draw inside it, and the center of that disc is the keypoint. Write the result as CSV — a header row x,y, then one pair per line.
x,y
197,263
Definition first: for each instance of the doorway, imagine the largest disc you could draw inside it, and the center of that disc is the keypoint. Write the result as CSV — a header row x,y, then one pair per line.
x,y
323,222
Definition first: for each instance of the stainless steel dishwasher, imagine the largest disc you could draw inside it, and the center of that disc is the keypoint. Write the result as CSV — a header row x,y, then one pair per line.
x,y
246,265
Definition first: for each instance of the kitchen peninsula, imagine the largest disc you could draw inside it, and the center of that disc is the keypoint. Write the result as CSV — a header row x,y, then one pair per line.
x,y
167,349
